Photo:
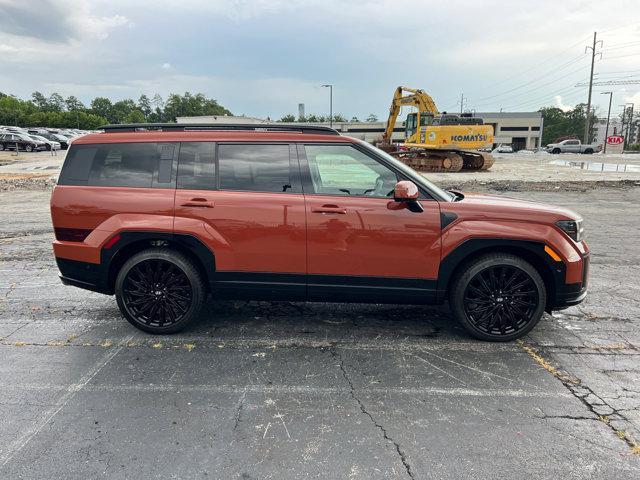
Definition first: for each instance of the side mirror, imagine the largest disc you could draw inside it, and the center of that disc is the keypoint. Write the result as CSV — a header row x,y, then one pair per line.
x,y
405,195
405,191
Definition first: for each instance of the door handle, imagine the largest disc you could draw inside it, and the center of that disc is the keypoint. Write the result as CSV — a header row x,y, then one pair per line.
x,y
198,202
329,209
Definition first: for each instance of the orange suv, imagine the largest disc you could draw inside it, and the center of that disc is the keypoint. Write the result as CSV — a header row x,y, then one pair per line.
x,y
162,215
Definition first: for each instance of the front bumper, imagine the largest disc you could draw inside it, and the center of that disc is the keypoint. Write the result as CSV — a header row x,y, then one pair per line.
x,y
573,293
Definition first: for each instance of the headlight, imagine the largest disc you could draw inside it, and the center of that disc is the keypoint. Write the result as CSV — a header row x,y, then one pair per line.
x,y
573,228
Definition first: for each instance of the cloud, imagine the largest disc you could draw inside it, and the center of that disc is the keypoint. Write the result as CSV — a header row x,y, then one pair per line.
x,y
56,20
561,105
166,66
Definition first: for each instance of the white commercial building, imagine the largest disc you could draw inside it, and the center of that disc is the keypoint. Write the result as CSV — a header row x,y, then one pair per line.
x,y
522,130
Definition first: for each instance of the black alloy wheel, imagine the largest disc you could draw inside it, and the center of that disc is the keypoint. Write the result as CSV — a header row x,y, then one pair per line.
x,y
159,291
500,297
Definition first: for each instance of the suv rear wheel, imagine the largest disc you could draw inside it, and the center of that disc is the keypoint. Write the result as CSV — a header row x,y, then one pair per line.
x,y
498,297
159,291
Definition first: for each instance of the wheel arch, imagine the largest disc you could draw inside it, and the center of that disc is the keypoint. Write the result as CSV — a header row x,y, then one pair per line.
x,y
530,251
132,242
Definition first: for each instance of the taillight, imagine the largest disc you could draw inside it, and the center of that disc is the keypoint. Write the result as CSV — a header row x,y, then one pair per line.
x,y
71,234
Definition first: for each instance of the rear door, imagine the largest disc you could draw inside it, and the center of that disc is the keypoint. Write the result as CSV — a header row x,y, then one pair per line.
x,y
248,200
360,246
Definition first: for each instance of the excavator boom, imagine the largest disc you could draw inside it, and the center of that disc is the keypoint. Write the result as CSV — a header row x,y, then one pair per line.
x,y
416,98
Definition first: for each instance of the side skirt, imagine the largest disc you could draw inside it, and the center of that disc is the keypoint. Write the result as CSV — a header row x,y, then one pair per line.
x,y
323,288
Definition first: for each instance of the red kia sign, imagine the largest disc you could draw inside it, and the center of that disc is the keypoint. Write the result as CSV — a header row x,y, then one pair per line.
x,y
615,140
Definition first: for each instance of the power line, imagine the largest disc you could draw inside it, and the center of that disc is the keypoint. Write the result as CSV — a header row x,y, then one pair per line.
x,y
561,67
533,67
547,83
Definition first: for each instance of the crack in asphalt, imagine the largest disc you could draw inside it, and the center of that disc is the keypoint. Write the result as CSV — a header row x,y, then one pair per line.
x,y
592,401
385,434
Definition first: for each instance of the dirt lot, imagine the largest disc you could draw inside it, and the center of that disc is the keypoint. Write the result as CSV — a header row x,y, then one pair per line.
x,y
289,390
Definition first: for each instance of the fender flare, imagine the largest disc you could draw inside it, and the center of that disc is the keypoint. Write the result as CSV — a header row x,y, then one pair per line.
x,y
190,243
553,272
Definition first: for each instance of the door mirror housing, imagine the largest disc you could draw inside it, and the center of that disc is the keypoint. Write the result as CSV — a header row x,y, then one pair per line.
x,y
405,191
405,195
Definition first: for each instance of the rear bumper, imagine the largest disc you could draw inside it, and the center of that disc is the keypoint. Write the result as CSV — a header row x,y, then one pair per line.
x,y
88,276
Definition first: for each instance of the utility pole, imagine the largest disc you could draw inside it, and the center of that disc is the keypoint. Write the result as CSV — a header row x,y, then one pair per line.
x,y
606,132
461,102
593,60
330,104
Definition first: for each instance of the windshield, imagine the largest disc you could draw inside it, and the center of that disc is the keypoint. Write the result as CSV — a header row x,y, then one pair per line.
x,y
439,193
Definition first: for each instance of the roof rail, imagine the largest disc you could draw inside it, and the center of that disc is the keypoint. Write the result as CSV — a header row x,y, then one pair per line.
x,y
189,127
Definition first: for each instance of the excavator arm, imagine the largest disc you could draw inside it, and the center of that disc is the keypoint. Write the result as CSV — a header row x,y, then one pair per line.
x,y
415,98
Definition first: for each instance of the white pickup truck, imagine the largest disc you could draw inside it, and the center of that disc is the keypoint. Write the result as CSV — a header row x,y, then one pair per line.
x,y
571,146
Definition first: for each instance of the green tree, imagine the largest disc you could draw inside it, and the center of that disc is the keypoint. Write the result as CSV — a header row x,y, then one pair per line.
x,y
39,100
135,116
144,105
189,105
102,106
288,118
55,103
372,118
354,119
73,103
558,123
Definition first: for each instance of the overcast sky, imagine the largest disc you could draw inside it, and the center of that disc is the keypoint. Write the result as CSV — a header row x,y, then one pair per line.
x,y
263,57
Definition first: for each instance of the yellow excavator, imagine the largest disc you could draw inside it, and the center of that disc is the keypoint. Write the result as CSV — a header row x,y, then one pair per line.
x,y
434,141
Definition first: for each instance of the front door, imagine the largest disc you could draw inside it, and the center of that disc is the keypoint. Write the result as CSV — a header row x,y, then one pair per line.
x,y
360,247
249,201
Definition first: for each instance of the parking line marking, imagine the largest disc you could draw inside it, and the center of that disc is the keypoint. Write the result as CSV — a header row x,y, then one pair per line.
x,y
8,453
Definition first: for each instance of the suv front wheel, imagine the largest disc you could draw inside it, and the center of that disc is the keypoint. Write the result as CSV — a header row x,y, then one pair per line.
x,y
498,297
159,291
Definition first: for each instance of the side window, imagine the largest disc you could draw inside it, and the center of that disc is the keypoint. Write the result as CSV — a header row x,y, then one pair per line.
x,y
344,170
259,168
196,166
120,165
124,165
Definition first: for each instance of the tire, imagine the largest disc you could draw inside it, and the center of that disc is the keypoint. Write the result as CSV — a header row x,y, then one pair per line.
x,y
588,151
555,151
486,313
1,147
169,304
28,148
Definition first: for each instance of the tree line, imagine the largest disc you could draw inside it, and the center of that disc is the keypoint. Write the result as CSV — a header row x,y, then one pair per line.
x,y
59,112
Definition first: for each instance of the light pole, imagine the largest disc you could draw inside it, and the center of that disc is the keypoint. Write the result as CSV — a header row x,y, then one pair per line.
x,y
630,124
330,103
606,132
624,114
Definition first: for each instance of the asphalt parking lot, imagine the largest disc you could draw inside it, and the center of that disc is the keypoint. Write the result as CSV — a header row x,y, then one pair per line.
x,y
289,390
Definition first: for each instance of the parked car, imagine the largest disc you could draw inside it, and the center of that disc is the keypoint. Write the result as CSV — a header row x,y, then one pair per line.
x,y
503,149
161,219
50,144
13,141
571,146
54,137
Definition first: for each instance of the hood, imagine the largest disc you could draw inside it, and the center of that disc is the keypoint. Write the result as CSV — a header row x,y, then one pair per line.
x,y
494,206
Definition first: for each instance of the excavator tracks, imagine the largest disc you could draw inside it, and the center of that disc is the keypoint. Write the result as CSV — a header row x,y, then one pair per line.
x,y
425,160
430,160
474,160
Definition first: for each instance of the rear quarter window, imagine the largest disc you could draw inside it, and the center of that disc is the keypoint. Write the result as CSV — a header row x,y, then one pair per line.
x,y
120,165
